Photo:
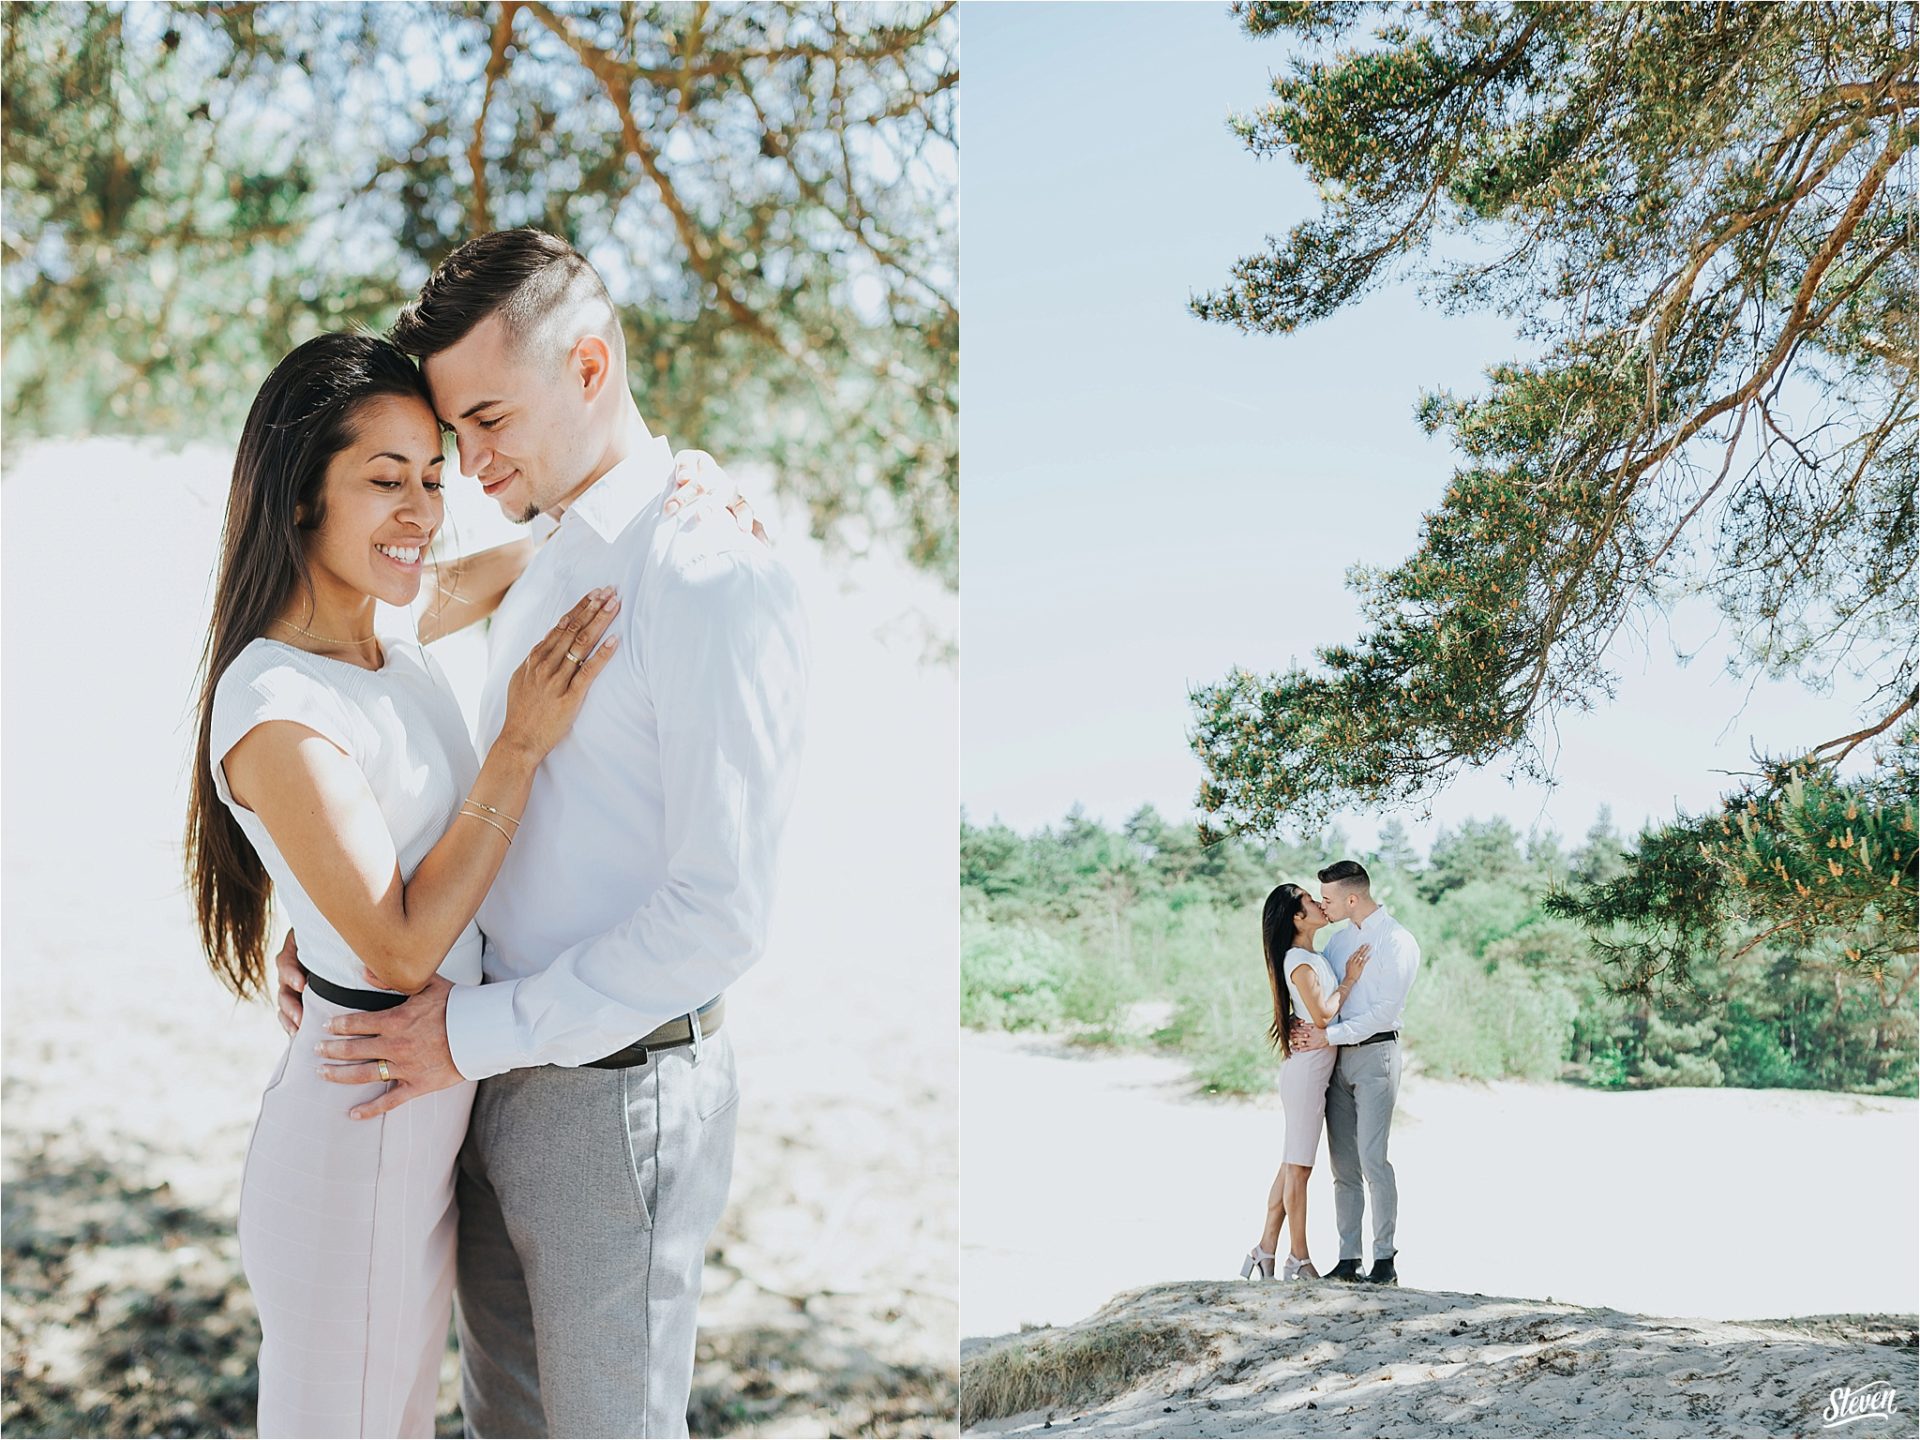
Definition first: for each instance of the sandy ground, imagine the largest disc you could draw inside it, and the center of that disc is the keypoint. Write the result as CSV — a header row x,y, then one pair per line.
x,y
131,1079
1327,1359
1086,1174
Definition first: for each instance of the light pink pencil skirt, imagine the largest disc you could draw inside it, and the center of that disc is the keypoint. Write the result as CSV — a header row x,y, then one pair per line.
x,y
1303,1096
346,1236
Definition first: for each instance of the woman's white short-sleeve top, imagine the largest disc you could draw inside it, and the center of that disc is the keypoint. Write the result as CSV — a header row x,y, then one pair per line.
x,y
1322,971
400,724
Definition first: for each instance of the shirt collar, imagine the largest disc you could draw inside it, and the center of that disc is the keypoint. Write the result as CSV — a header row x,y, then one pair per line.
x,y
613,501
1379,913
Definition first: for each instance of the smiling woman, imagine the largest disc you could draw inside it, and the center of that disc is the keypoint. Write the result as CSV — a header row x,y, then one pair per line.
x,y
378,511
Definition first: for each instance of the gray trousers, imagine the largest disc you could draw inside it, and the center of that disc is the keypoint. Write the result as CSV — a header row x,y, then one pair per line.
x,y
1360,1100
586,1199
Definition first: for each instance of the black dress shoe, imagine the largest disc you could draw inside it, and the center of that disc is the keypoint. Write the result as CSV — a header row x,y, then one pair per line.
x,y
1345,1270
1383,1273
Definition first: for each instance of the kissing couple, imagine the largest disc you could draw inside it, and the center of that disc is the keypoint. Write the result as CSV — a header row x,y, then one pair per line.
x,y
507,1075
1341,1043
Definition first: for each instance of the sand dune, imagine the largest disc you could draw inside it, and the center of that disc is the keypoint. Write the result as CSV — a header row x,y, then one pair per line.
x,y
1236,1359
1094,1174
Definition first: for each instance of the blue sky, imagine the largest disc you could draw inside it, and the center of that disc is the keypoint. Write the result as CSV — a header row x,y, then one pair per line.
x,y
1148,500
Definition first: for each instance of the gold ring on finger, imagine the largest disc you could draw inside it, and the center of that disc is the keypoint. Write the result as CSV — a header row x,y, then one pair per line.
x,y
577,659
386,1075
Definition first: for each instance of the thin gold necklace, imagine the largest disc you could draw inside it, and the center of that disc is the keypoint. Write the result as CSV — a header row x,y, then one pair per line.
x,y
324,639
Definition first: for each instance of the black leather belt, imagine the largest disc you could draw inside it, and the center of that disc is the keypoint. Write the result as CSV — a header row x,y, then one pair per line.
x,y
354,999
674,1033
1375,1039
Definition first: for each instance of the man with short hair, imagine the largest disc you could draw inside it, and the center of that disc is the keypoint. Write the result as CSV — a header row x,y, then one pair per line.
x,y
636,889
1366,1076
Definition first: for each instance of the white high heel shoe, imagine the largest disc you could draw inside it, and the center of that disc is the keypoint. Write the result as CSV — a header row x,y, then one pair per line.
x,y
1257,1259
1301,1269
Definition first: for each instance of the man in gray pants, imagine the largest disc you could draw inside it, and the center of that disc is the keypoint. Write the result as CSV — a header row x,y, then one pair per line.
x,y
1366,1077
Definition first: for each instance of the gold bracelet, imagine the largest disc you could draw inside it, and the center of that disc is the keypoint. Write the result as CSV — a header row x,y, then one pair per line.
x,y
498,814
484,820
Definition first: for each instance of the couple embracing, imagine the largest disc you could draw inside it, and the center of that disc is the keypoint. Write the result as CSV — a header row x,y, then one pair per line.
x,y
1336,1019
507,1074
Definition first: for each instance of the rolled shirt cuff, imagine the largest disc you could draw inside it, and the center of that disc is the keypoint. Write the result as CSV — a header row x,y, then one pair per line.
x,y
480,1029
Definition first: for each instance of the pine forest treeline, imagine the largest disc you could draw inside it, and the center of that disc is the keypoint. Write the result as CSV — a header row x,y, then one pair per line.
x,y
1144,935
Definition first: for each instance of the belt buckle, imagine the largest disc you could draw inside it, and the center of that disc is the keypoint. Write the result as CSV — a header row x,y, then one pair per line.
x,y
693,1025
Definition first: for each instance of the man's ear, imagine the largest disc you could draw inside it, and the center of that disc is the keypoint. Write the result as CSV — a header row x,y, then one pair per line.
x,y
592,365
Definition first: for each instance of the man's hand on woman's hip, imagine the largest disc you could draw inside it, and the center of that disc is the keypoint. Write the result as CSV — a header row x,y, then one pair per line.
x,y
405,1046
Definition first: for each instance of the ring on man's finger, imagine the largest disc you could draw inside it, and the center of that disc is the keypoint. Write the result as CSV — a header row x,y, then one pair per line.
x,y
385,1074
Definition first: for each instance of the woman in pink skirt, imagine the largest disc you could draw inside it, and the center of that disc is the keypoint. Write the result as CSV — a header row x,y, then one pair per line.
x,y
335,774
1303,986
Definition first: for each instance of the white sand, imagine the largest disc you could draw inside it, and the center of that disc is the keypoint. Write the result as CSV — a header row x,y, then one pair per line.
x,y
1089,1174
835,1264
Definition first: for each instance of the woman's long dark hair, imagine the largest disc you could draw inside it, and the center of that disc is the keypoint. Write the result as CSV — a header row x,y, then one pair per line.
x,y
1277,928
303,416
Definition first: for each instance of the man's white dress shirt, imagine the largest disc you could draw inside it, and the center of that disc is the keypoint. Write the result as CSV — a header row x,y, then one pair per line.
x,y
639,884
1379,996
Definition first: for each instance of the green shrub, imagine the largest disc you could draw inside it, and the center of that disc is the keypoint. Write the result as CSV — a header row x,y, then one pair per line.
x,y
1678,1051
1206,960
1608,1068
1754,1054
1011,977
1095,991
1247,1066
1476,1024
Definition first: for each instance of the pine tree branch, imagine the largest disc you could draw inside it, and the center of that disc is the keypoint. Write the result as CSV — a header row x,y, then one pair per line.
x,y
1848,743
853,217
616,79
476,153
